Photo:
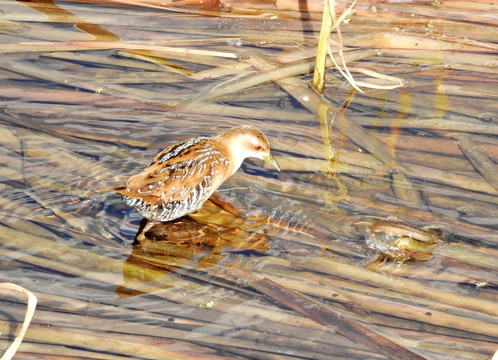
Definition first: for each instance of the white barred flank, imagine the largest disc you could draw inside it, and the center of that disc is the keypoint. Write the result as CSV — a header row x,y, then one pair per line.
x,y
184,190
170,210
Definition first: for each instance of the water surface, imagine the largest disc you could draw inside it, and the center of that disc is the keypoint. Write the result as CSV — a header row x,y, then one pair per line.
x,y
91,92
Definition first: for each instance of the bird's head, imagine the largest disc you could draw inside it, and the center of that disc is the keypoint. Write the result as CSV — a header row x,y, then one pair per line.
x,y
248,141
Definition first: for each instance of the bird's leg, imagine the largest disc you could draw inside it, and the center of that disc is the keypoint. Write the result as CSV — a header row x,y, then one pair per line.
x,y
147,227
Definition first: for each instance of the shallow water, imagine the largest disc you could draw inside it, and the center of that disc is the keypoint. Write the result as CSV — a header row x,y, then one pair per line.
x,y
90,93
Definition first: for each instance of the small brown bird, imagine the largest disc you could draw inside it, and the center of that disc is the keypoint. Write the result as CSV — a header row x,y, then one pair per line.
x,y
183,176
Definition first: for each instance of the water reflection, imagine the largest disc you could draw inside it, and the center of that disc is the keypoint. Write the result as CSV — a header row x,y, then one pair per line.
x,y
200,240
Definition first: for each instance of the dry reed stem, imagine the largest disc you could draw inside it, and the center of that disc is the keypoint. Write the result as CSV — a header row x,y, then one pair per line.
x,y
402,285
311,100
395,305
168,334
105,343
102,268
271,74
357,165
200,336
85,57
74,45
33,350
407,42
191,316
108,101
322,314
474,328
381,208
11,350
469,256
479,158
161,312
343,290
432,124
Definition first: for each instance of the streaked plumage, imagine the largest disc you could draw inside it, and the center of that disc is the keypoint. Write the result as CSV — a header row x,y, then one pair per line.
x,y
183,176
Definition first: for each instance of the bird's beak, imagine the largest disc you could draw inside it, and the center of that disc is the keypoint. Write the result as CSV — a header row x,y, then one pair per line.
x,y
270,160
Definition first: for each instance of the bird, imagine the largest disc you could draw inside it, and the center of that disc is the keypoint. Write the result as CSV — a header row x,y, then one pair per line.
x,y
184,175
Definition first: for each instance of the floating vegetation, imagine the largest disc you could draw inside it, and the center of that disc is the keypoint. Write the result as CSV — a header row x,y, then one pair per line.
x,y
376,240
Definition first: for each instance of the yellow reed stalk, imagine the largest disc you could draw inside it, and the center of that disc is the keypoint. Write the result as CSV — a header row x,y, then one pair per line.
x,y
321,54
329,23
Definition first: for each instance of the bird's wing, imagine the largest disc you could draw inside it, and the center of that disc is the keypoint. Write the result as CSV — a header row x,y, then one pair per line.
x,y
191,166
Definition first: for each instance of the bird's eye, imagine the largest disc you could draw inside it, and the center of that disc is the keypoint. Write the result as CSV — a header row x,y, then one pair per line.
x,y
258,147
